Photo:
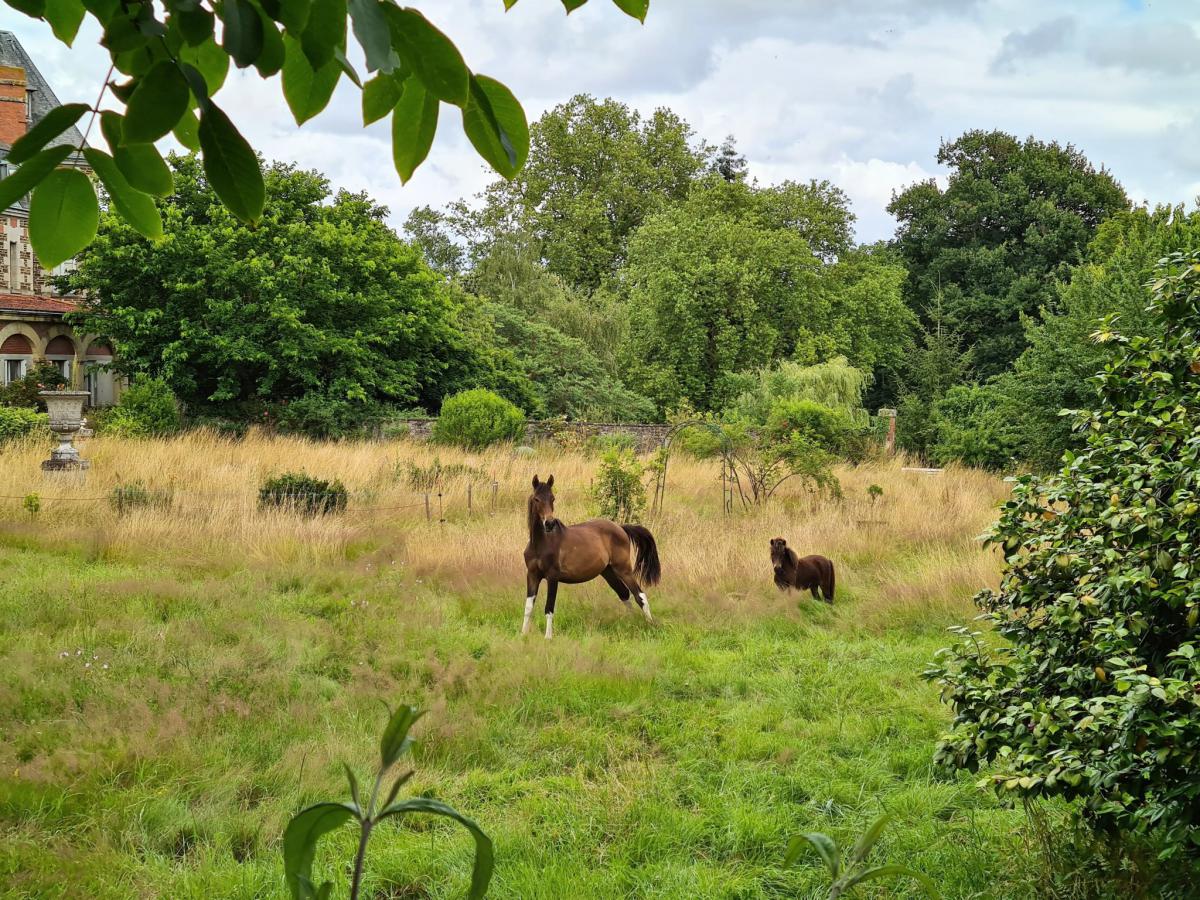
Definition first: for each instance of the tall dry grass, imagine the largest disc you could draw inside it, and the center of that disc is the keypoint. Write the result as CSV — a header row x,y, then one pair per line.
x,y
913,552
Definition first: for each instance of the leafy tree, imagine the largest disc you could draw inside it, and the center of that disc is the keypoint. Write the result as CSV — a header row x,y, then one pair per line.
x,y
1092,693
966,425
174,66
835,385
937,365
322,300
1055,371
596,170
1012,219
728,281
727,162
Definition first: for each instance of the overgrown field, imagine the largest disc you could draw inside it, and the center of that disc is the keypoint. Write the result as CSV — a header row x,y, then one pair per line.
x,y
175,683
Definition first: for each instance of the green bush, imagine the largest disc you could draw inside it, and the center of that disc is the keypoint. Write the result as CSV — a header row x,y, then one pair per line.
x,y
477,419
970,425
434,475
832,430
300,493
18,421
327,418
135,495
1092,694
617,490
24,392
148,408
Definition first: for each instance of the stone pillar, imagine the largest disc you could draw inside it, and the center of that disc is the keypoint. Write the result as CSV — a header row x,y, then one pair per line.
x,y
889,443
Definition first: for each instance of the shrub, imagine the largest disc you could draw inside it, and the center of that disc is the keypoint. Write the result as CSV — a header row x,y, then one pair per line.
x,y
327,418
147,408
618,440
24,392
1093,694
832,430
135,495
18,421
969,425
618,491
300,493
477,419
434,475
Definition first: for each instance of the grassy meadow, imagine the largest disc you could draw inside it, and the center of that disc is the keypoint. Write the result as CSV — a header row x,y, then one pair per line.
x,y
174,684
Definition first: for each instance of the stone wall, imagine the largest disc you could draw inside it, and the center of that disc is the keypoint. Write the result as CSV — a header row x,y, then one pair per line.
x,y
646,437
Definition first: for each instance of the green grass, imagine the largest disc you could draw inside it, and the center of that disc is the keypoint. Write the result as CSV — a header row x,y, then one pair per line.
x,y
617,761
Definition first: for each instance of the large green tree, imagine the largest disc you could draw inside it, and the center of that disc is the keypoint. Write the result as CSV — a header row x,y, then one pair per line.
x,y
596,170
320,304
991,246
736,277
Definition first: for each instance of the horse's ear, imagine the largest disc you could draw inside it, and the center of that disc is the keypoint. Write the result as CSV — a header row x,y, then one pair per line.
x,y
550,482
536,483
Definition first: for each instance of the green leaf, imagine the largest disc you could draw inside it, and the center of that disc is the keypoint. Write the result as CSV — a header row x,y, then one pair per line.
x,y
307,92
396,785
196,26
294,15
300,842
325,31
379,97
271,59
158,102
65,17
573,5
892,869
33,8
132,205
371,29
63,216
231,166
144,168
243,35
187,131
430,54
824,845
210,61
635,8
395,740
52,125
28,176
353,785
344,64
481,874
495,124
867,841
414,124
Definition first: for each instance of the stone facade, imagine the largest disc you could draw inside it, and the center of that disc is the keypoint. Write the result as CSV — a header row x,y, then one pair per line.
x,y
646,437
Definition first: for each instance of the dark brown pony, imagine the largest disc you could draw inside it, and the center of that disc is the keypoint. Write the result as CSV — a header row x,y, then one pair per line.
x,y
807,573
572,554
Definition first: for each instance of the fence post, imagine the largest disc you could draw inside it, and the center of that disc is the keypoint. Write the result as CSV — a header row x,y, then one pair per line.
x,y
889,443
428,517
470,492
495,487
441,510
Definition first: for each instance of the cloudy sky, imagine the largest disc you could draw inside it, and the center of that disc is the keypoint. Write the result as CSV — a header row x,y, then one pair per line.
x,y
857,91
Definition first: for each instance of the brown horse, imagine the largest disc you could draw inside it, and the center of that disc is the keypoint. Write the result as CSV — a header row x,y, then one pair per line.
x,y
572,554
807,573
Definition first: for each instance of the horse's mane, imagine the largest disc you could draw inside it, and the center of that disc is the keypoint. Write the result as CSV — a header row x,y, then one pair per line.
x,y
786,560
532,520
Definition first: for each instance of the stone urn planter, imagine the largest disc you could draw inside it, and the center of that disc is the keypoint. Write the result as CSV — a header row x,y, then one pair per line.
x,y
66,418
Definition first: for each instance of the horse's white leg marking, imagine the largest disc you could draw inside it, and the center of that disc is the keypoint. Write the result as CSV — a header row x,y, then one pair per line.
x,y
528,613
646,608
549,625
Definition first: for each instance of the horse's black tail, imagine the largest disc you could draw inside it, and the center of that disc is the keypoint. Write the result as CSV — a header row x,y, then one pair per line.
x,y
648,568
829,592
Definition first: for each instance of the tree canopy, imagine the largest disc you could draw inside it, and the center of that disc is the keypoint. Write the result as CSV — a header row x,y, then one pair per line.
x,y
987,250
320,305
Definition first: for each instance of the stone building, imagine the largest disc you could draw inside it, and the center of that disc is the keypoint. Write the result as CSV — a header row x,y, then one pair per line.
x,y
32,323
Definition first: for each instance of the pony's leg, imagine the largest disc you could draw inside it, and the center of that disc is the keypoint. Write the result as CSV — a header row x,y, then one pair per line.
x,y
616,584
532,582
551,597
631,582
816,596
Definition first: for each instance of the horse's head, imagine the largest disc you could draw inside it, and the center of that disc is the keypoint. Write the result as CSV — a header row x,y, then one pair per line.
x,y
779,552
541,504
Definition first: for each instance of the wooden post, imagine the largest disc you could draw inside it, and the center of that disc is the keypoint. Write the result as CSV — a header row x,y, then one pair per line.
x,y
495,487
470,491
428,517
889,443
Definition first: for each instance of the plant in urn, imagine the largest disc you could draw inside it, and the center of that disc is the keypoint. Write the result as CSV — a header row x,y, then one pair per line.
x,y
66,418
